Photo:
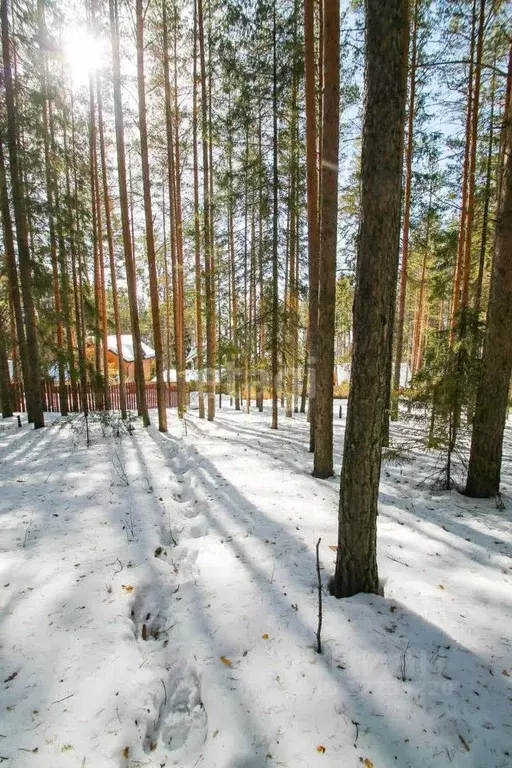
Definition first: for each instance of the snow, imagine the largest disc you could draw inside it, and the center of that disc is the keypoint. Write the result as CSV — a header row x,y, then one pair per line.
x,y
158,606
171,375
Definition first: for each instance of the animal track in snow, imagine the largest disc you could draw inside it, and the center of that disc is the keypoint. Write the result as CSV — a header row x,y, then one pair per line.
x,y
198,530
148,622
181,716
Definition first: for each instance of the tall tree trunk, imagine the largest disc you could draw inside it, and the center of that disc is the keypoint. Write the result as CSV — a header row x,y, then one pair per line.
x,y
33,392
6,394
492,398
459,263
275,218
12,272
247,322
472,159
209,293
50,195
101,301
407,213
323,460
234,296
387,28
291,313
210,331
131,276
75,251
312,205
64,277
197,232
168,354
111,253
180,291
261,246
485,216
96,241
161,393
171,183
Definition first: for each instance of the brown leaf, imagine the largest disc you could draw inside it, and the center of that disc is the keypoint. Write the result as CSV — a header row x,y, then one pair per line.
x,y
320,748
127,587
367,763
441,587
333,547
264,637
126,753
226,661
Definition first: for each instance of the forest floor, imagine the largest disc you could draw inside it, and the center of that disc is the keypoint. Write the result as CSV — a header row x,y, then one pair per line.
x,y
159,605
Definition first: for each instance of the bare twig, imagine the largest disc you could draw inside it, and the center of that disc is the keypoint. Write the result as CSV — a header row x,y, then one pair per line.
x,y
319,628
403,663
27,532
57,701
165,692
119,468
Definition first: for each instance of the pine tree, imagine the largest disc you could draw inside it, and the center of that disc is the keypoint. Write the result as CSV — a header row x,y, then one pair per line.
x,y
492,399
150,237
323,459
387,27
33,386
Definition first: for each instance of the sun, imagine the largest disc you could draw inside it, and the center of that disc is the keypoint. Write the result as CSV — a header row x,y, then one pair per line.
x,y
83,54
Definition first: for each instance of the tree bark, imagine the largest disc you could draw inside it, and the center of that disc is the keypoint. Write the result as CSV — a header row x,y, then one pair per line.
x,y
161,393
180,341
111,254
459,263
50,201
407,214
387,27
6,394
492,398
75,251
207,239
275,217
12,271
323,459
312,204
197,233
131,276
33,392
472,158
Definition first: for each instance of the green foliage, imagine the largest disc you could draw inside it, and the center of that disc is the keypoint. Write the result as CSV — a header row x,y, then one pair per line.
x,y
447,384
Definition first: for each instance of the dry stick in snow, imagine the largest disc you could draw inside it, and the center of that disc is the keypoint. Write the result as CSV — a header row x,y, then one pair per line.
x,y
319,628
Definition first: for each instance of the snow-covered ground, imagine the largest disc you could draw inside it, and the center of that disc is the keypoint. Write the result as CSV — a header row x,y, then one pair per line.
x,y
158,606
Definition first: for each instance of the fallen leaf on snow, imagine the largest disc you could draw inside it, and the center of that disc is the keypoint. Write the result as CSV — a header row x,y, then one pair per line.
x,y
264,637
226,661
441,587
333,547
127,587
507,674
367,763
320,749
11,677
126,753
464,743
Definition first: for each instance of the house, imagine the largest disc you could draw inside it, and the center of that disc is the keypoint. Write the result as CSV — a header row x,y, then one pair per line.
x,y
128,358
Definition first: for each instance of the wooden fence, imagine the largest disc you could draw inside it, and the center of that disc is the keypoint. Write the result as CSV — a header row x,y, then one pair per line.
x,y
95,400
